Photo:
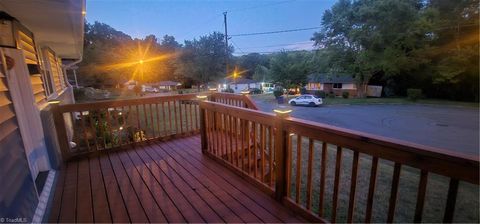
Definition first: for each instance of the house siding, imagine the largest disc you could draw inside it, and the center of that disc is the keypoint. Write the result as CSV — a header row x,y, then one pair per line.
x,y
18,197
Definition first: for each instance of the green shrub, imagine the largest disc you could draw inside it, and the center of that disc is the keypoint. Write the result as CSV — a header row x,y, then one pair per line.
x,y
278,91
414,94
345,95
320,93
331,95
303,90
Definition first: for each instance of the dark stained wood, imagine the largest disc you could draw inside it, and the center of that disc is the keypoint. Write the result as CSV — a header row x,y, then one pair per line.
x,y
394,191
353,187
84,207
323,173
451,201
164,182
101,209
371,189
298,176
422,189
336,183
309,173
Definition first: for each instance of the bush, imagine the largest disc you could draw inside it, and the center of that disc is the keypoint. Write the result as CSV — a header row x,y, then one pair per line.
x,y
303,90
331,95
345,95
278,91
228,90
414,94
320,93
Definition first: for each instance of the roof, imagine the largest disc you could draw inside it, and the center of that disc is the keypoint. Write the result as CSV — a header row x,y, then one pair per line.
x,y
56,24
239,81
330,78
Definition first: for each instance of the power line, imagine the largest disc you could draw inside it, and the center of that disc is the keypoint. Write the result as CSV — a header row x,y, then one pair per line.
x,y
274,32
236,46
260,6
280,45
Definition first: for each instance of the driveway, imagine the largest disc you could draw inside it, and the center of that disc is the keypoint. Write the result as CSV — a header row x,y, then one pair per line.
x,y
448,127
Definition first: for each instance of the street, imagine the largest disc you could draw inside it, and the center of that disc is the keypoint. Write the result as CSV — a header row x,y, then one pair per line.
x,y
448,127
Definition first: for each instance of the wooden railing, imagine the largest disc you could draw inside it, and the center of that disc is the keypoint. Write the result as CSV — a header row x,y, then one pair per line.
x,y
98,126
233,100
331,174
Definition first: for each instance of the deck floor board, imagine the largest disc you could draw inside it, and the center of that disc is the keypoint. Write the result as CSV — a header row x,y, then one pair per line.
x,y
160,182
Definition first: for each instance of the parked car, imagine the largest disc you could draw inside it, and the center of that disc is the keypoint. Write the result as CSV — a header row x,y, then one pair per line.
x,y
308,100
255,91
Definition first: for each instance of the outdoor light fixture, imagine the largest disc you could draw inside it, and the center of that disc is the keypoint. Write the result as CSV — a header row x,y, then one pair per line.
x,y
245,92
7,35
201,97
213,89
282,112
54,102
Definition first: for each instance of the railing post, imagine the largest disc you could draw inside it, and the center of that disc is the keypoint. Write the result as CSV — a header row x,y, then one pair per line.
x,y
203,124
59,122
281,154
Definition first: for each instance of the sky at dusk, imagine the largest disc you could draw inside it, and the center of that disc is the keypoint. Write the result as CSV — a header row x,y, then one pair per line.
x,y
186,20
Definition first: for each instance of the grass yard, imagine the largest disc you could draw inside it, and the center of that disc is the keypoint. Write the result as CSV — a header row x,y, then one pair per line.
x,y
467,207
269,98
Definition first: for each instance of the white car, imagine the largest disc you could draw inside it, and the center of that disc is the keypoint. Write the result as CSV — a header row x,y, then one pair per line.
x,y
308,100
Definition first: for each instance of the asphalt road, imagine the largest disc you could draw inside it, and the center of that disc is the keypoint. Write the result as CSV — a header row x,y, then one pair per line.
x,y
448,127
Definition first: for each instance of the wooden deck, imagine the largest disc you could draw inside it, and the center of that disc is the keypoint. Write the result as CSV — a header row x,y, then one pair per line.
x,y
159,182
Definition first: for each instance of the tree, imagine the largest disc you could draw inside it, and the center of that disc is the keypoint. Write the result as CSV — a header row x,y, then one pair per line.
x,y
248,63
262,74
203,60
290,69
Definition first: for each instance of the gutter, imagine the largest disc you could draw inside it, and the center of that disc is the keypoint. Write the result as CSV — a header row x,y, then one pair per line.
x,y
68,66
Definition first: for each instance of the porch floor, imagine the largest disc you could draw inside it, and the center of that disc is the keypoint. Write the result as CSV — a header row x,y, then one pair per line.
x,y
159,182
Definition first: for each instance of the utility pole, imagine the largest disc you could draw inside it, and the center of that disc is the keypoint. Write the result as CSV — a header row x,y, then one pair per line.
x,y
226,43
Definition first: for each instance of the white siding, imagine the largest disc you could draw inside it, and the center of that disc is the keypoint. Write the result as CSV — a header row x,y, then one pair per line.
x,y
349,86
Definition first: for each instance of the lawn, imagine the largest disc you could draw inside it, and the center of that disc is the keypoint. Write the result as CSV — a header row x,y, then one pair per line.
x,y
269,98
467,208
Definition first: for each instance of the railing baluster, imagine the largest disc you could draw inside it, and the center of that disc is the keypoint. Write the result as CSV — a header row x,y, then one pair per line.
x,y
323,172
242,143
151,121
353,187
393,193
94,129
119,131
139,127
271,154
247,134
336,187
298,176
84,130
451,201
289,165
170,118
371,190
180,114
157,114
309,173
255,152
109,125
146,119
262,148
422,188
236,141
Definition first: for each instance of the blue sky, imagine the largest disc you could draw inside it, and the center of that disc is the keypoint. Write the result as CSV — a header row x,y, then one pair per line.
x,y
190,19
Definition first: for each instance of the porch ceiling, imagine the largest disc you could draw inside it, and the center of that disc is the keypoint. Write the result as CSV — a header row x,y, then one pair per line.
x,y
57,24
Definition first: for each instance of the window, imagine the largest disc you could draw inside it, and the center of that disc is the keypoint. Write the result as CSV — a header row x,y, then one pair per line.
x,y
337,85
